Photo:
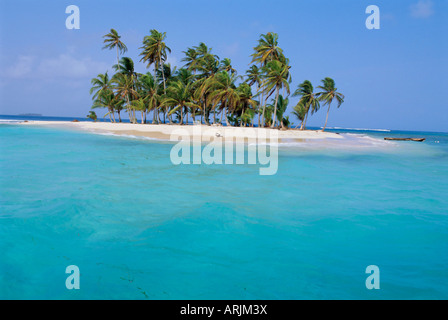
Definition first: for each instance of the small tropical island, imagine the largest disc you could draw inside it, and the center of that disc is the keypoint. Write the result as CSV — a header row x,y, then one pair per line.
x,y
207,90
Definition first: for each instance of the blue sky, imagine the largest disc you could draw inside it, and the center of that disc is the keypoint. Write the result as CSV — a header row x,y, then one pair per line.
x,y
393,78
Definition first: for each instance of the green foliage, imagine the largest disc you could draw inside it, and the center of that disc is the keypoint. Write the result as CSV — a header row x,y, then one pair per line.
x,y
112,40
206,85
92,115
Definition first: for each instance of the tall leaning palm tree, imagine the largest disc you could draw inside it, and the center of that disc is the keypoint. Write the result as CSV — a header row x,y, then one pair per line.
x,y
155,51
282,105
277,77
300,112
307,98
329,94
113,41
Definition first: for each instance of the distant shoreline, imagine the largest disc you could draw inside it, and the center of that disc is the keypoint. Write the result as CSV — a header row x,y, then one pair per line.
x,y
29,115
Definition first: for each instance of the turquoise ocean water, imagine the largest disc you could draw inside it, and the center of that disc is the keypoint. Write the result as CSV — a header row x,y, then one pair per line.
x,y
139,227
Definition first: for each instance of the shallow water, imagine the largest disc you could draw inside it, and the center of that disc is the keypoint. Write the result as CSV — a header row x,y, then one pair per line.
x,y
139,227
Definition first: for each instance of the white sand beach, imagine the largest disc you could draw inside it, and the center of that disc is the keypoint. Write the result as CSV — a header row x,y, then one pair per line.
x,y
165,131
290,139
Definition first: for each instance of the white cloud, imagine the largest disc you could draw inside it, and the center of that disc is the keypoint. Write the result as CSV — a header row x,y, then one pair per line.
x,y
21,68
67,66
63,66
422,9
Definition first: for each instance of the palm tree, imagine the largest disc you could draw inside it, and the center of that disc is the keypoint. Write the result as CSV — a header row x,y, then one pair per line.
x,y
254,77
140,105
99,84
300,112
224,91
166,72
184,75
308,98
119,107
246,103
277,77
328,94
106,99
191,58
113,41
226,65
124,86
267,49
92,115
151,92
155,51
282,105
179,97
125,66
208,65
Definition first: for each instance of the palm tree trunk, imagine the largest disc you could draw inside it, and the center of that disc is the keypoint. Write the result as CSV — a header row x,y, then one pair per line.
x,y
304,122
128,108
163,75
118,60
227,117
181,116
275,107
263,121
119,115
142,117
261,98
326,119
113,116
168,115
156,85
